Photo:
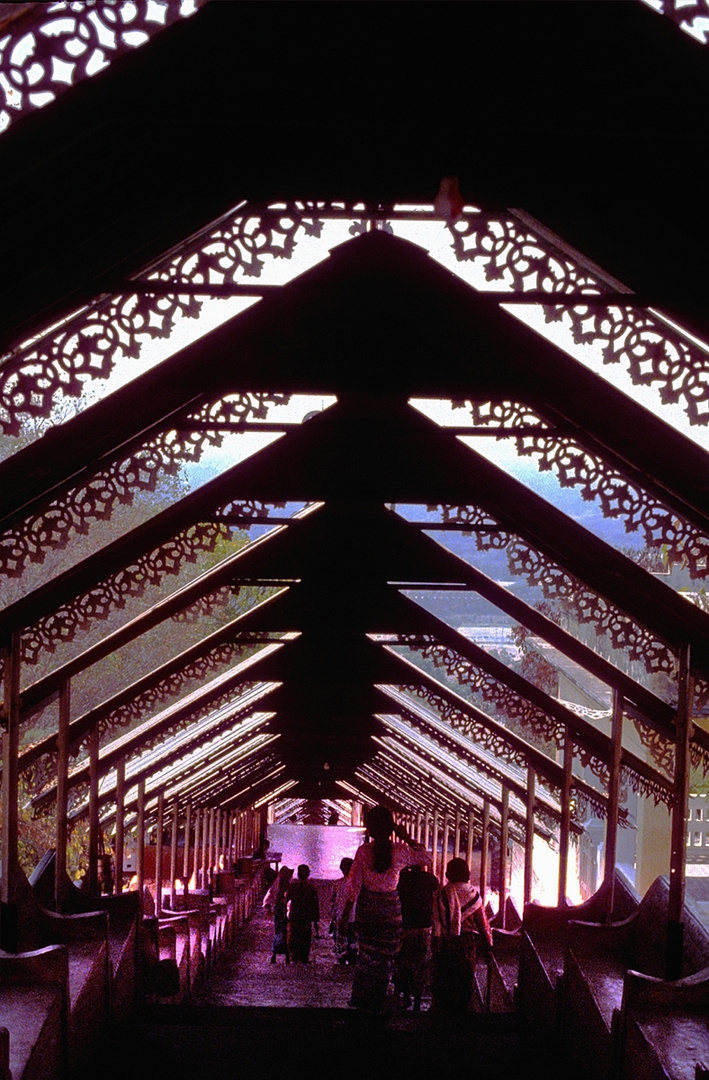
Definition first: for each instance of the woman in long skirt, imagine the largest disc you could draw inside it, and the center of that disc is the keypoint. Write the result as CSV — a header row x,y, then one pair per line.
x,y
371,884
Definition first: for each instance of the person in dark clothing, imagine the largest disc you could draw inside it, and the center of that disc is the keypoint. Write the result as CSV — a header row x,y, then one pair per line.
x,y
416,889
304,911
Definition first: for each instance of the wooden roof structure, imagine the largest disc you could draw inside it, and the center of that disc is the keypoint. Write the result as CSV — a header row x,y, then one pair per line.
x,y
111,198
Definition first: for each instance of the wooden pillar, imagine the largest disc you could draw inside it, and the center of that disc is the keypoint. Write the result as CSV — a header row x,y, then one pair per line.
x,y
565,825
174,836
613,801
456,840
484,849
427,831
434,844
140,846
678,851
9,881
186,849
120,823
444,843
504,840
529,836
197,823
93,812
62,823
471,840
158,852
230,842
209,860
205,849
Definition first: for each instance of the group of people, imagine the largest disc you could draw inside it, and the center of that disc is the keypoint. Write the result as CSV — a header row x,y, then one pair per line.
x,y
391,919
296,910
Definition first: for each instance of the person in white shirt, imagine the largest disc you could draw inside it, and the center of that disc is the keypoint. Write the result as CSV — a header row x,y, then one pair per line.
x,y
372,886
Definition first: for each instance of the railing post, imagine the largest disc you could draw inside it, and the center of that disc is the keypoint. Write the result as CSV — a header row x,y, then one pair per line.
x,y
140,845
678,852
60,840
529,836
173,851
565,830
120,823
93,810
10,817
484,849
613,802
158,853
471,840
504,840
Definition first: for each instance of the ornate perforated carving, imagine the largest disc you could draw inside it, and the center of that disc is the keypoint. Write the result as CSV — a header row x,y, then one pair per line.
x,y
62,625
180,682
247,509
54,46
580,603
597,481
505,700
514,257
692,16
118,484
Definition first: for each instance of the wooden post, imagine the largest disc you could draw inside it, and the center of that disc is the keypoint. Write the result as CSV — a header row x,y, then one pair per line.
x,y
186,850
209,853
197,823
529,836
120,823
504,840
434,844
62,824
484,849
444,843
456,841
173,851
565,829
158,852
471,839
427,831
678,851
613,802
93,812
9,881
140,846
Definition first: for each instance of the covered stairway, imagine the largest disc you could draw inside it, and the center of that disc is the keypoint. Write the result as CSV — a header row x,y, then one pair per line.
x,y
269,534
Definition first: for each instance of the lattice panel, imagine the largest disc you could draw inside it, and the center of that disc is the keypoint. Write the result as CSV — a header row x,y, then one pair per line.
x,y
692,16
118,484
88,345
505,700
652,352
67,42
180,682
598,482
62,625
556,584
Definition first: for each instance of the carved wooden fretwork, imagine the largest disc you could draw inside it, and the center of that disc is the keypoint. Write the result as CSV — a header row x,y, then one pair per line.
x,y
247,509
598,482
118,484
505,700
516,258
180,682
237,246
662,749
692,16
581,603
62,625
54,46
